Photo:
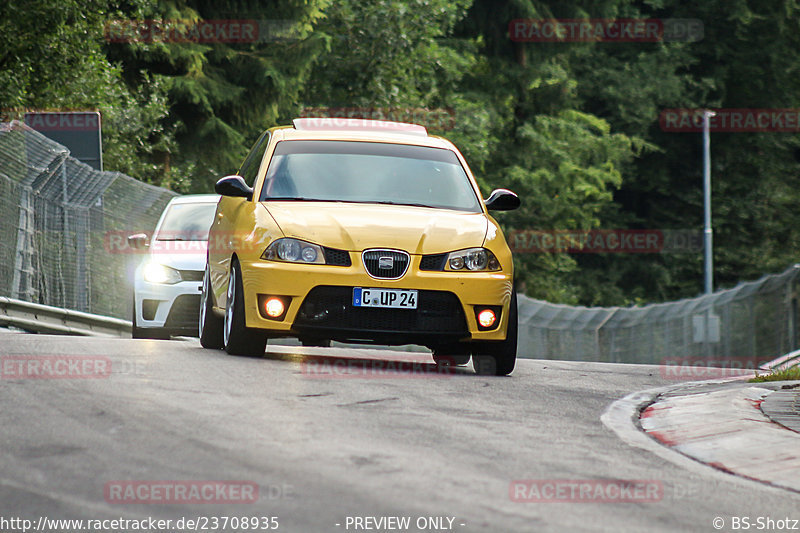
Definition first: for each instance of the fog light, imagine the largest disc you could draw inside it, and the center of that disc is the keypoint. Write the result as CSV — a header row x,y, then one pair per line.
x,y
486,318
274,307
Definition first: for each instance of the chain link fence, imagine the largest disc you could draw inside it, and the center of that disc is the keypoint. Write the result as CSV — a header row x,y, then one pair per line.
x,y
755,320
56,214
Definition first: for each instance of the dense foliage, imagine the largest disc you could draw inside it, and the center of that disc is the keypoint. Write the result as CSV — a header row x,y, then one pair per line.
x,y
572,127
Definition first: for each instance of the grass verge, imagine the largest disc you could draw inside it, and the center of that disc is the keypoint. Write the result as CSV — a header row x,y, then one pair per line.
x,y
789,374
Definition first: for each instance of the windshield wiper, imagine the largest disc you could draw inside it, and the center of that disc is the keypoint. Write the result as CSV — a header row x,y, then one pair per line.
x,y
303,199
411,204
297,199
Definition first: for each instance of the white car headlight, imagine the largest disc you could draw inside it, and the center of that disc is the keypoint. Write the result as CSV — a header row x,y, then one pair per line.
x,y
157,273
474,259
294,251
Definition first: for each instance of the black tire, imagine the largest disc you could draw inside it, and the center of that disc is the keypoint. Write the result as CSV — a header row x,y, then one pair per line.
x,y
499,358
210,325
237,337
144,333
319,343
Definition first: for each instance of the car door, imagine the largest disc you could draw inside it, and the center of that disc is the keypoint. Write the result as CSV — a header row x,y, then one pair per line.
x,y
228,222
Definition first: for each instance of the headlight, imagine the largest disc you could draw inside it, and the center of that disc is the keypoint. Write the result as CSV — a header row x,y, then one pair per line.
x,y
156,273
294,251
474,259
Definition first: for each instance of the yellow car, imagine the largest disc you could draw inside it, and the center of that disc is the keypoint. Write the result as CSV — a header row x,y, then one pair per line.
x,y
363,232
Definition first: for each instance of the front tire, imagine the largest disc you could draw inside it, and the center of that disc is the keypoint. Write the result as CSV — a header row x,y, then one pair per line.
x,y
210,325
237,337
499,358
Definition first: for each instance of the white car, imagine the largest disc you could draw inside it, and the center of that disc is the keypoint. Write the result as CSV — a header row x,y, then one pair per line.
x,y
169,281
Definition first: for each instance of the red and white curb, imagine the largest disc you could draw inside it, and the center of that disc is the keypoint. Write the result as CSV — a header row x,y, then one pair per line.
x,y
623,418
727,430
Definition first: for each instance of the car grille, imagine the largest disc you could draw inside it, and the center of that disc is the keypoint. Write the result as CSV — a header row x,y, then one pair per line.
x,y
432,262
337,257
185,312
332,307
386,264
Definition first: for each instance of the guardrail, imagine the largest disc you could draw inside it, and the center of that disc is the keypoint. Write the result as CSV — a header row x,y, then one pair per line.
x,y
40,318
783,362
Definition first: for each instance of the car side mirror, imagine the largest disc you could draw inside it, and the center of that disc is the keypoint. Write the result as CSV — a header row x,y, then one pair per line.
x,y
502,200
138,241
233,186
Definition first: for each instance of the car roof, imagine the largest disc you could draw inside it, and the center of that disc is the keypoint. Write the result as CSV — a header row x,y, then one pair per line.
x,y
349,129
358,124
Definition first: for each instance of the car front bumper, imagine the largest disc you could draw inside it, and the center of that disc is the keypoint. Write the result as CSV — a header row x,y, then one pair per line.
x,y
332,286
174,308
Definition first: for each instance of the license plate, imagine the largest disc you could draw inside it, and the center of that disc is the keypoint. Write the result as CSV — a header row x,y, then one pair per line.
x,y
390,298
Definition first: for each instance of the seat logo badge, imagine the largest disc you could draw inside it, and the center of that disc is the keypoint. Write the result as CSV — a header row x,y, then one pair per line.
x,y
385,263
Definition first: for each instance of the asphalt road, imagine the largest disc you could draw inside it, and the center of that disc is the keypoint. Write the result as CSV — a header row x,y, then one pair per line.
x,y
322,445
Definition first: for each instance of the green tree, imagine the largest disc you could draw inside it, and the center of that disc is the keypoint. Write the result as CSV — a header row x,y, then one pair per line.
x,y
52,58
563,161
221,95
747,58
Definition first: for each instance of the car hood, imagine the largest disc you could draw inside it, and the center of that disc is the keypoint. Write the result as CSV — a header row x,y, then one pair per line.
x,y
182,255
356,227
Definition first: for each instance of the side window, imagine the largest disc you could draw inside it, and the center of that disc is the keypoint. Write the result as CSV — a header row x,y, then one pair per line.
x,y
249,168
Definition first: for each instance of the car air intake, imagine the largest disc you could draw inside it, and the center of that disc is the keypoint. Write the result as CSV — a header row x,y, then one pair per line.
x,y
337,257
386,264
433,262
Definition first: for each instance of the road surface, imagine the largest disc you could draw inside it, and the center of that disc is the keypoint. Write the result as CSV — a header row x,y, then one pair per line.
x,y
327,447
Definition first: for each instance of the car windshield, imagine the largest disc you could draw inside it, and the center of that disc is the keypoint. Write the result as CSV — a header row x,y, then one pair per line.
x,y
368,172
187,222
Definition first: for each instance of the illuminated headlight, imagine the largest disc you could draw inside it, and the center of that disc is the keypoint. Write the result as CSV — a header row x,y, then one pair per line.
x,y
294,251
156,273
475,259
